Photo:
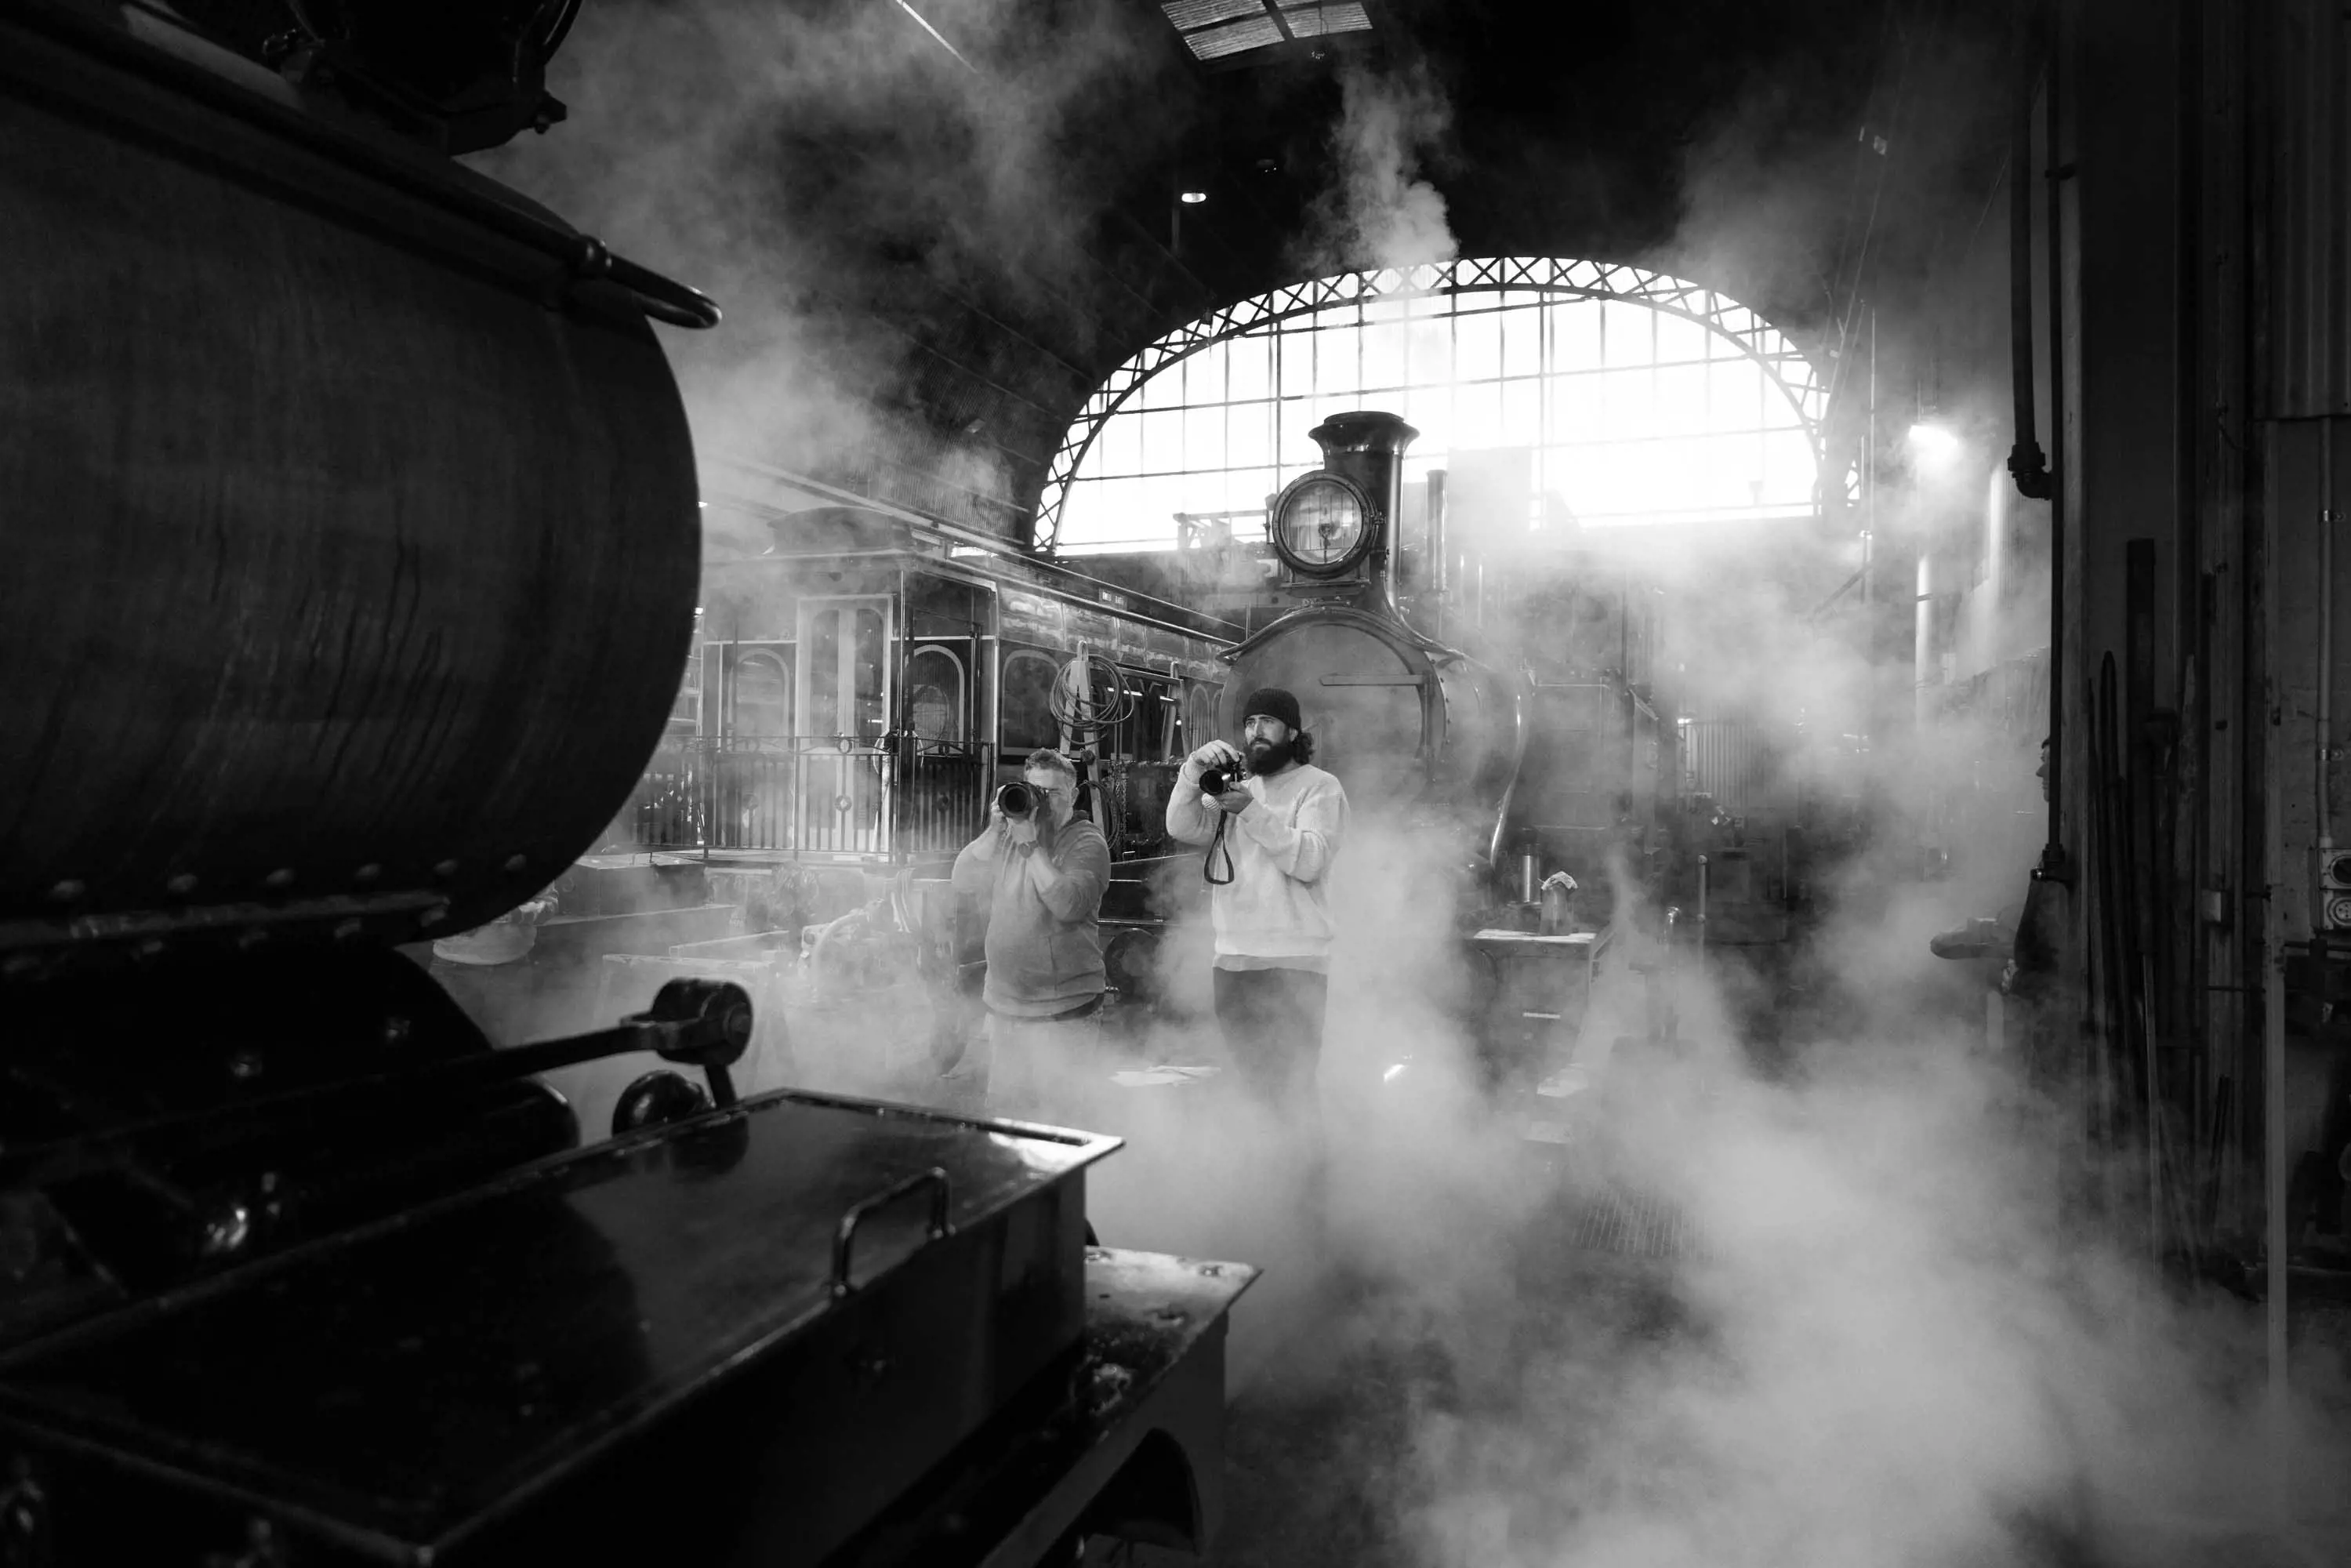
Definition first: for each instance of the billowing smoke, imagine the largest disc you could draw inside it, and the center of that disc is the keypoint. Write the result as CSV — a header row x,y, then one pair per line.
x,y
825,173
1884,1337
1380,209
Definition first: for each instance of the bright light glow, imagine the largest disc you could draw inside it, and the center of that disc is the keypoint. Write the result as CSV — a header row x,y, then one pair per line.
x,y
1194,198
1390,1076
1934,444
1547,409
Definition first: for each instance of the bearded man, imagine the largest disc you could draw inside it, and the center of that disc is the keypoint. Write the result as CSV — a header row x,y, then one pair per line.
x,y
1282,826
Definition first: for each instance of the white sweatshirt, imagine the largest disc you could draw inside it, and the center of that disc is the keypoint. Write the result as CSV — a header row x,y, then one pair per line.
x,y
1275,913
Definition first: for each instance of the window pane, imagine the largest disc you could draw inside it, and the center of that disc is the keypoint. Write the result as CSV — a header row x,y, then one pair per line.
x,y
1384,356
1522,413
1296,362
1025,702
1165,389
1679,338
1629,330
1162,442
1252,367
1204,437
1250,435
1575,335
1478,347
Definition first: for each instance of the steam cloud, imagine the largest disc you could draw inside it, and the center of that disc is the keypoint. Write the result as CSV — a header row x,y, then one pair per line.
x,y
822,171
1889,1350
1380,211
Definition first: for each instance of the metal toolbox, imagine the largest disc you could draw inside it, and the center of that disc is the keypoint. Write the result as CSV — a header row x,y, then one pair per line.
x,y
783,1314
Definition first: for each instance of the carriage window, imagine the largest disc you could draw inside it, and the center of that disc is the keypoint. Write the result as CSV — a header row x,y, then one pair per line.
x,y
1200,716
1027,702
763,694
848,688
1144,734
934,694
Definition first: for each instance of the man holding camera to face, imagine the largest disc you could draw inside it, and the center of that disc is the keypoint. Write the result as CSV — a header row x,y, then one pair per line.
x,y
1043,869
1281,820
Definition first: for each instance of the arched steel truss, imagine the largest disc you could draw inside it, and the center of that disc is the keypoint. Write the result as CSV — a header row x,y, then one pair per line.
x,y
1791,369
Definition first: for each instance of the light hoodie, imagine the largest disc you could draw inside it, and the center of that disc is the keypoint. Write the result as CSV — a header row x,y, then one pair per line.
x,y
1275,913
1044,950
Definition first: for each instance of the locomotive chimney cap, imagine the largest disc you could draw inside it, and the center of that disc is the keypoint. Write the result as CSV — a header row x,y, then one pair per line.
x,y
1366,430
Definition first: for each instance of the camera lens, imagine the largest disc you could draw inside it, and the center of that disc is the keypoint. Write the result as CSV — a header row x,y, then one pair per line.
x,y
1015,800
1212,781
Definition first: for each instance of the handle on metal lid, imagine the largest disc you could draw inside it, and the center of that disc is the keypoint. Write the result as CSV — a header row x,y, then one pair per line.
x,y
844,1236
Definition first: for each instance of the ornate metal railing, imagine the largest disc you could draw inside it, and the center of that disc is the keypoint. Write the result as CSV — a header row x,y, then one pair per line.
x,y
896,795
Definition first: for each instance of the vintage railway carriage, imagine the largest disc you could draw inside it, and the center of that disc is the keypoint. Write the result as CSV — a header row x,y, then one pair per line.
x,y
858,689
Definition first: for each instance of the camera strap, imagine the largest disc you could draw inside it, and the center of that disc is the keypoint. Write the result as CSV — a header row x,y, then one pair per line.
x,y
1215,845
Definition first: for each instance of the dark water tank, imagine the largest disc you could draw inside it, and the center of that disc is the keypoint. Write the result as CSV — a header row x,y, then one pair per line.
x,y
347,527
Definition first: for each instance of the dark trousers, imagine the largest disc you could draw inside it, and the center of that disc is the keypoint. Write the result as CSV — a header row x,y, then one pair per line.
x,y
1272,1023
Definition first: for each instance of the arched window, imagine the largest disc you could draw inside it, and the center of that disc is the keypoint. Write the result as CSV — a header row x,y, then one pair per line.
x,y
763,694
1554,392
934,694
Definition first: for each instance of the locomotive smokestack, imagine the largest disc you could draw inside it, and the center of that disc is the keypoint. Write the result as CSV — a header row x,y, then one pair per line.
x,y
1368,448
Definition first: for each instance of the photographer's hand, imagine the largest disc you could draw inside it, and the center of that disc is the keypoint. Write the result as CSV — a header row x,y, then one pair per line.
x,y
1215,754
1236,800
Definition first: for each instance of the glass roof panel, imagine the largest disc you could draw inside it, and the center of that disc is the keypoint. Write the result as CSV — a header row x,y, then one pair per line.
x,y
1188,14
1215,43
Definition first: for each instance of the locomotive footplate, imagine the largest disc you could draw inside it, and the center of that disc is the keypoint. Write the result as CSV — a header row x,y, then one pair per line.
x,y
767,1334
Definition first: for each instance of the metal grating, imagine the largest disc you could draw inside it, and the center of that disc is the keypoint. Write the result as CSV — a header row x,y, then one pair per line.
x,y
1730,760
1634,1225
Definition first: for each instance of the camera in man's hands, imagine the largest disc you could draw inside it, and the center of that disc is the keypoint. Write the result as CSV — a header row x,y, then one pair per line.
x,y
1217,781
1015,799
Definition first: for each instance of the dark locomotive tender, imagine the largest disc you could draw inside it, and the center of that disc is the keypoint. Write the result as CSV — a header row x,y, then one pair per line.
x,y
352,518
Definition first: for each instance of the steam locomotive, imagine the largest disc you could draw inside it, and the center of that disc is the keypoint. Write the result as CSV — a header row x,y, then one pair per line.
x,y
352,518
1508,706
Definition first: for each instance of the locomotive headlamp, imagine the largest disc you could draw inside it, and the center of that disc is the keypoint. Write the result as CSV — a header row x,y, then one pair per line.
x,y
1321,523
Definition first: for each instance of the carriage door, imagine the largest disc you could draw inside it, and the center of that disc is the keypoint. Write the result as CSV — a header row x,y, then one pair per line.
x,y
842,692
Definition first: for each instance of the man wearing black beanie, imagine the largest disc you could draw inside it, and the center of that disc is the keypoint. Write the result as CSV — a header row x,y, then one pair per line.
x,y
1282,826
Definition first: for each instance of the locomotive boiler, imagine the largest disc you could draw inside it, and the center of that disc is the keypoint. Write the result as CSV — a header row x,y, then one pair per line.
x,y
351,512
1421,731
1525,733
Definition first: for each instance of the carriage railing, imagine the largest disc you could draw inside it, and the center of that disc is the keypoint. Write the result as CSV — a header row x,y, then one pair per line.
x,y
895,795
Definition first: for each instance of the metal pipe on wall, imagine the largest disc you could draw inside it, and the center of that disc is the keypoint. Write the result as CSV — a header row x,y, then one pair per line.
x,y
2026,461
2322,801
2052,854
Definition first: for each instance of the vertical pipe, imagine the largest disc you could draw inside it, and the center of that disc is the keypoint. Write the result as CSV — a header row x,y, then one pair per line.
x,y
2322,801
1701,914
1869,472
1440,580
2052,854
2274,1161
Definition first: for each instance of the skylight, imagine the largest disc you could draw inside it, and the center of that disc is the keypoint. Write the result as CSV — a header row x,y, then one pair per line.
x,y
1220,29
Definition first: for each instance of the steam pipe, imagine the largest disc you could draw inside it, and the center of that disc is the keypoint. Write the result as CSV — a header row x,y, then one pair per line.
x,y
1511,789
2026,461
2054,866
